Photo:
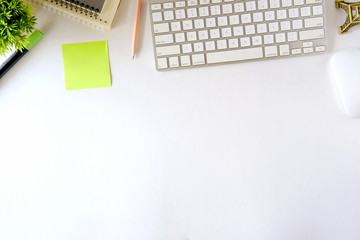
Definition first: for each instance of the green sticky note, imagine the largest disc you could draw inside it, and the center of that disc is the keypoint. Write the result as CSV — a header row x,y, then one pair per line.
x,y
86,65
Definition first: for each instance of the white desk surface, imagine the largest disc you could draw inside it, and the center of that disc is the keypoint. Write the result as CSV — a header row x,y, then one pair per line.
x,y
249,151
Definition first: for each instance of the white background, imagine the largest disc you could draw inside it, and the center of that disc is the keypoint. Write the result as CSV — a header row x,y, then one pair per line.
x,y
251,151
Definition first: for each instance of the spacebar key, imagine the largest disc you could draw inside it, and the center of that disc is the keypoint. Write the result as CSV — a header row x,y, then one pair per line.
x,y
235,55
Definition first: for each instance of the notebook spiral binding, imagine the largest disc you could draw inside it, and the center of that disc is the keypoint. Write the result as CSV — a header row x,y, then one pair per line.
x,y
96,18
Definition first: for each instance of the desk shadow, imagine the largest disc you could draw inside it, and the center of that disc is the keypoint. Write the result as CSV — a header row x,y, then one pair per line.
x,y
141,32
122,18
122,12
46,26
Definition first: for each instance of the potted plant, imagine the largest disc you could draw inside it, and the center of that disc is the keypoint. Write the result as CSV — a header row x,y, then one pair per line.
x,y
16,22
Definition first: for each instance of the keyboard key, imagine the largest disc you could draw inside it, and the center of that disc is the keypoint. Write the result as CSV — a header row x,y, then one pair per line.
x,y
246,18
298,2
192,3
226,32
199,47
215,10
234,20
274,3
292,36
239,7
180,14
308,44
174,62
269,16
214,33
308,50
263,4
222,21
155,7
168,5
203,11
258,17
261,28
199,23
180,4
271,51
314,22
268,39
250,6
161,28
318,10
313,1
227,8
168,15
175,26
221,44
297,24
280,38
296,51
305,11
293,12
203,2
162,63
312,34
245,42
249,29
285,25
157,16
273,27
185,61
164,39
281,14
191,12
203,35
256,40
284,50
286,3
198,59
168,50
238,31
210,22
180,37
320,49
187,25
233,43
187,48
210,46
191,36
234,55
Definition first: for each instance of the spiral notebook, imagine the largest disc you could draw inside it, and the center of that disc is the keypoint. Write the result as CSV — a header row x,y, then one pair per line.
x,y
96,13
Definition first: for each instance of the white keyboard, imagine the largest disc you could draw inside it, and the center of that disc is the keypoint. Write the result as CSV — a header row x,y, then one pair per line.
x,y
205,32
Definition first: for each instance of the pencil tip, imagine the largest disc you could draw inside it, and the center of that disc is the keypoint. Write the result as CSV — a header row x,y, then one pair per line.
x,y
133,57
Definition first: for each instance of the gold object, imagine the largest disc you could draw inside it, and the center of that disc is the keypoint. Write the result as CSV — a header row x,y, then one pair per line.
x,y
352,11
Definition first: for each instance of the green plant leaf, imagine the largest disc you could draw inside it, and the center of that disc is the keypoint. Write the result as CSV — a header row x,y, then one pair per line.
x,y
16,22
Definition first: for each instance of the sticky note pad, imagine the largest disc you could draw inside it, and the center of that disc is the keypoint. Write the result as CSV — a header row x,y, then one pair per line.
x,y
86,65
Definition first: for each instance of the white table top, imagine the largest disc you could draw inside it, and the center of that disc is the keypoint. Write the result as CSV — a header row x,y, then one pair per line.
x,y
254,151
